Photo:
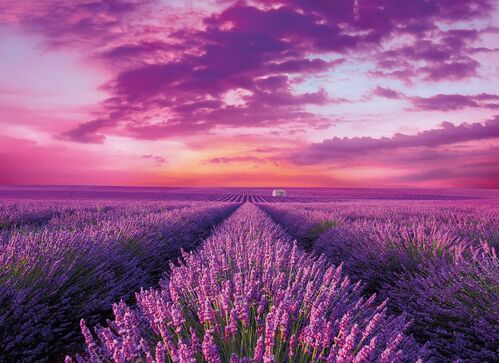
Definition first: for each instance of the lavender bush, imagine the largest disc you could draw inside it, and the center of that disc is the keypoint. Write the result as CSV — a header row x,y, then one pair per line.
x,y
454,304
377,252
471,221
29,215
437,264
73,267
251,295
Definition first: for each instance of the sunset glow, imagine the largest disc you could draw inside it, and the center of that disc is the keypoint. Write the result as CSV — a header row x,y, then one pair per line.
x,y
250,93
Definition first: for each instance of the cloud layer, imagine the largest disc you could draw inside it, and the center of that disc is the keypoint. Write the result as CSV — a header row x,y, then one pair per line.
x,y
292,74
446,134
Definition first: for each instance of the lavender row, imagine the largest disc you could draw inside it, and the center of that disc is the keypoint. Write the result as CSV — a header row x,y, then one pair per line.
x,y
251,295
471,221
64,214
51,277
435,262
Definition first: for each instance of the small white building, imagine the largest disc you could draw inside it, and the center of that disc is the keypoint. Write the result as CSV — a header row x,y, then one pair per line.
x,y
278,193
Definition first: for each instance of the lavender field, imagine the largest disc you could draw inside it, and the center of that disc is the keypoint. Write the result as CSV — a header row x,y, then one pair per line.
x,y
93,274
249,181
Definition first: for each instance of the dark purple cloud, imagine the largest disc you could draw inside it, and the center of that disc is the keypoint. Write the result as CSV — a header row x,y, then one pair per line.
x,y
255,49
236,159
303,65
135,50
452,70
387,93
443,102
337,148
266,149
87,133
156,158
75,23
432,60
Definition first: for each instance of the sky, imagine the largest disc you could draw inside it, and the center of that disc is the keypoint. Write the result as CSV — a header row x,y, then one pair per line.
x,y
312,93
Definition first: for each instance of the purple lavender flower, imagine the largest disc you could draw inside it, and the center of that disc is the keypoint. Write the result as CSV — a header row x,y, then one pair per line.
x,y
258,355
210,350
